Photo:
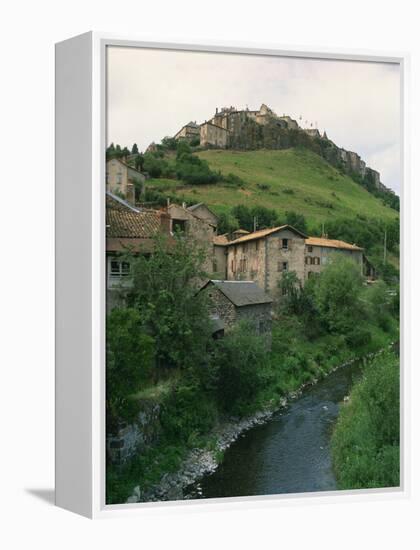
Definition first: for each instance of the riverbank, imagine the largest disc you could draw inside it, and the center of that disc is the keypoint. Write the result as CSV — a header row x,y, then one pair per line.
x,y
201,462
366,438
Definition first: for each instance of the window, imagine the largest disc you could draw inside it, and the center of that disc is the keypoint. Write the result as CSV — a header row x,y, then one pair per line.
x,y
282,266
317,260
179,226
118,273
307,260
242,265
285,244
310,249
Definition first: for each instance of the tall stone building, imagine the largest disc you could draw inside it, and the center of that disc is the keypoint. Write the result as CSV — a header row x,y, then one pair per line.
x,y
123,179
263,256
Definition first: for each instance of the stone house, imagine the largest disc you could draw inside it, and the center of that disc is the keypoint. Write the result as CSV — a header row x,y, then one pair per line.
x,y
235,301
213,135
318,253
123,179
189,132
202,211
196,222
263,256
128,228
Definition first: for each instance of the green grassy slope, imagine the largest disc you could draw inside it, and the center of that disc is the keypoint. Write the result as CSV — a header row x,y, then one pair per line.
x,y
297,179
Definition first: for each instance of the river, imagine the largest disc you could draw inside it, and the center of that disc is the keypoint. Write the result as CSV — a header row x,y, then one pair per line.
x,y
288,454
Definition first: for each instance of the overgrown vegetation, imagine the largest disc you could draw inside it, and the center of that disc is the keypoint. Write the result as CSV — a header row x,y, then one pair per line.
x,y
366,439
162,339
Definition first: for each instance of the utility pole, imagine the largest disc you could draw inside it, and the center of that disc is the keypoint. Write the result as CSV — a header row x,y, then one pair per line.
x,y
255,223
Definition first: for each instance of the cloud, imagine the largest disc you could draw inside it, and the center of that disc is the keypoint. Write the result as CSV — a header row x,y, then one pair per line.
x,y
153,93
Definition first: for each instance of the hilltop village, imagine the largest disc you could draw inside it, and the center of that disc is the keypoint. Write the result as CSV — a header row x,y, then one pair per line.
x,y
230,128
244,268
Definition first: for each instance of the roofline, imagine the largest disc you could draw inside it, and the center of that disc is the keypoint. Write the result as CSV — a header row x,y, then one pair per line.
x,y
269,301
252,236
127,165
123,202
326,245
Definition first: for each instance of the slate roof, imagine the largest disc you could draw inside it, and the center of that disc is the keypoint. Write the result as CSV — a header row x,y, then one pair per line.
x,y
125,221
331,243
241,293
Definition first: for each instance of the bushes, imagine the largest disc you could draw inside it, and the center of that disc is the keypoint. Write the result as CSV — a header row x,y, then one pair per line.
x,y
130,358
191,169
365,443
241,359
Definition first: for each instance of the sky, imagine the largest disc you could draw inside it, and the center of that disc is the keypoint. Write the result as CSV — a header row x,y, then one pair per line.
x,y
153,93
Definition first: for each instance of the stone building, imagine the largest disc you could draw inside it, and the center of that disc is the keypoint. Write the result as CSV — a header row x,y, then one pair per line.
x,y
263,256
189,132
245,129
318,253
235,301
123,179
202,211
198,223
128,228
213,136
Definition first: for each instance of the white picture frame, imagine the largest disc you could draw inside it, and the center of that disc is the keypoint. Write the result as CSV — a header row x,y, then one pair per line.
x,y
80,272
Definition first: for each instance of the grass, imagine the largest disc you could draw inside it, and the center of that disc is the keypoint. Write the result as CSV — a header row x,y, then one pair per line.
x,y
291,179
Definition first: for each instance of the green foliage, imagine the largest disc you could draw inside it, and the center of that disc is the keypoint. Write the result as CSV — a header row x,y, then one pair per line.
x,y
135,149
241,359
191,169
297,221
227,223
129,359
337,294
155,166
188,413
264,217
164,293
365,442
139,162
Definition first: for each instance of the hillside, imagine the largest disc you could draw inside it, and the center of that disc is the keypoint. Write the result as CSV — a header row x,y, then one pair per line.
x,y
292,179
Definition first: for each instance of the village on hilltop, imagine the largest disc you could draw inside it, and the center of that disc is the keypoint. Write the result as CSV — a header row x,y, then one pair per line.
x,y
244,268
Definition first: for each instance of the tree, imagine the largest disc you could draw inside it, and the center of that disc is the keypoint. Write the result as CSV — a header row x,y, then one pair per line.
x,y
139,162
298,221
135,149
337,294
164,292
241,358
129,359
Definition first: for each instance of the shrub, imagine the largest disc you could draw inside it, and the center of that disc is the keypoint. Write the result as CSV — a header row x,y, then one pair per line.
x,y
358,337
365,442
242,360
129,359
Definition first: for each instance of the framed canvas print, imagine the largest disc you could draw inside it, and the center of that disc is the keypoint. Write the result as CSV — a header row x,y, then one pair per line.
x,y
228,274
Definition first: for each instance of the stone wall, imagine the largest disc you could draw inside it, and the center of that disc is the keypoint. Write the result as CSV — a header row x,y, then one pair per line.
x,y
221,306
134,438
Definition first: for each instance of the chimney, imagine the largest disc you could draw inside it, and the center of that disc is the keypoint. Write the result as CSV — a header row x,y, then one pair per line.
x,y
217,110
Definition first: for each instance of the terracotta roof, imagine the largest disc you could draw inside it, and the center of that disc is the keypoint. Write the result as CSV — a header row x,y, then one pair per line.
x,y
241,293
126,222
264,233
331,243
